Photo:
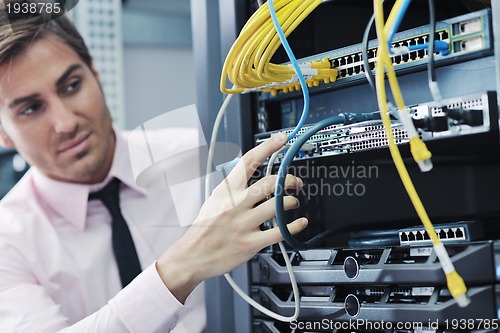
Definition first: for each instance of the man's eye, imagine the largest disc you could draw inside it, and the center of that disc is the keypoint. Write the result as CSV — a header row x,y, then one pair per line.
x,y
31,109
72,86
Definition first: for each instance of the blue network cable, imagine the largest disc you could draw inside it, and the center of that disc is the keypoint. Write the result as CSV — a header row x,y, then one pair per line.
x,y
293,60
397,23
438,45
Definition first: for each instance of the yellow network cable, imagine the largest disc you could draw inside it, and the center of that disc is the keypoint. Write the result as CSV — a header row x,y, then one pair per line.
x,y
455,283
248,65
290,17
251,34
391,20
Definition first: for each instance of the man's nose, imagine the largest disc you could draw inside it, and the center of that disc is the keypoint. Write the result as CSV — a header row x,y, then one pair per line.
x,y
64,117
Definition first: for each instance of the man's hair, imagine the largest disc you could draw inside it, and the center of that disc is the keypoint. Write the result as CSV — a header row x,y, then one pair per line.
x,y
14,44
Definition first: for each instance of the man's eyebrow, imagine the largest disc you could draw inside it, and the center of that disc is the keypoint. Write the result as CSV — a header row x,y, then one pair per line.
x,y
68,72
59,82
21,100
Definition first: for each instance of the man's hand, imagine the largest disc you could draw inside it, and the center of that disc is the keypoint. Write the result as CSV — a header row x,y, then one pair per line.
x,y
227,232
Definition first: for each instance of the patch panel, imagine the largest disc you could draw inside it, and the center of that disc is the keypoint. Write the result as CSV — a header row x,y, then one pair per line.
x,y
349,138
417,265
454,118
468,37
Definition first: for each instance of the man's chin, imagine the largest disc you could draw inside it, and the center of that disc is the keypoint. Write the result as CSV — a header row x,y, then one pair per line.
x,y
84,170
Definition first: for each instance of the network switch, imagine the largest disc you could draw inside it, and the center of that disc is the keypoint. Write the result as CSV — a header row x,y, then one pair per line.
x,y
455,232
467,36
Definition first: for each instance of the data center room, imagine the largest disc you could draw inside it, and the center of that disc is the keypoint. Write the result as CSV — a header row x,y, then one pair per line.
x,y
392,125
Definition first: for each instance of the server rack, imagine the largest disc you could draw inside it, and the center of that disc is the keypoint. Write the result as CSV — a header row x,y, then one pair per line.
x,y
231,16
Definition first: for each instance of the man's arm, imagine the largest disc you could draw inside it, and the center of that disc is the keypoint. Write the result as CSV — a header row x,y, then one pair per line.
x,y
145,305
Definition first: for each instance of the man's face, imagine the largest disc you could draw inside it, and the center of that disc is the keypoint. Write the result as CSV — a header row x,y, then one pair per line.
x,y
52,110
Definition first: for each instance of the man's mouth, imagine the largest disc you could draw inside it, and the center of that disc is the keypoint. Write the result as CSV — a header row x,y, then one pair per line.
x,y
76,145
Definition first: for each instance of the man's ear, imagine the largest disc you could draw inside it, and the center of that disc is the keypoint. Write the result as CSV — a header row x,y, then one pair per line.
x,y
5,141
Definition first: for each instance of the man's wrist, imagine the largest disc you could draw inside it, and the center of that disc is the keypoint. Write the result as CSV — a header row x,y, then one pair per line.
x,y
179,280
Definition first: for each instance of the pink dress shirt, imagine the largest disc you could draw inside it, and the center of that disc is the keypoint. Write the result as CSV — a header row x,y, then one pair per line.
x,y
57,269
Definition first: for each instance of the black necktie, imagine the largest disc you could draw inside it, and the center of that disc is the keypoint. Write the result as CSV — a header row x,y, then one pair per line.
x,y
123,244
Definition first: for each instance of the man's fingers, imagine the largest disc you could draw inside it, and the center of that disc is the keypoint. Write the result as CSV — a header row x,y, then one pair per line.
x,y
272,236
264,187
247,165
266,210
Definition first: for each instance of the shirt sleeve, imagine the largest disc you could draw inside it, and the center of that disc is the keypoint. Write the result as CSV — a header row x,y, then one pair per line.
x,y
148,297
144,306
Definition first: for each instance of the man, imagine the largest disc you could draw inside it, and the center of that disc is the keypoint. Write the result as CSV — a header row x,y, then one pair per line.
x,y
57,267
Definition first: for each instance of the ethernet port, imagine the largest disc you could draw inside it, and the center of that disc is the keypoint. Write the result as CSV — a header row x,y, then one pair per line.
x,y
419,236
342,73
459,233
396,60
411,237
420,54
335,63
405,58
426,236
442,234
413,55
403,237
349,71
444,35
357,69
450,234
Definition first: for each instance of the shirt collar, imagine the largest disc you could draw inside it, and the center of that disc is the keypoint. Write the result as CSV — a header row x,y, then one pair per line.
x,y
69,200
